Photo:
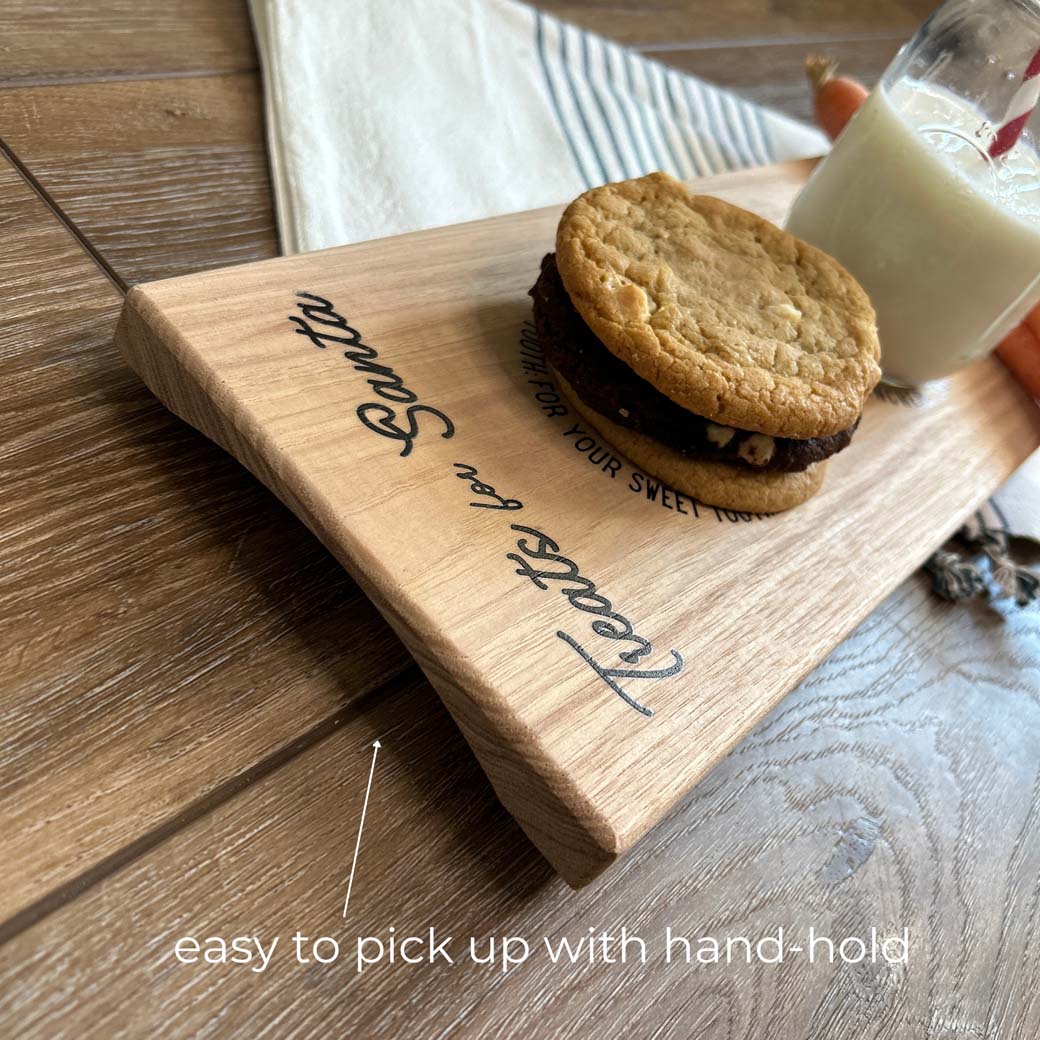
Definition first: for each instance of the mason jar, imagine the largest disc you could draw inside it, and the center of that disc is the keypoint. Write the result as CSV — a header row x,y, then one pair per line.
x,y
931,195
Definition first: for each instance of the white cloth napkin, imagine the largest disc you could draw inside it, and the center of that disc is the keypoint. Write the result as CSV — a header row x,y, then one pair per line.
x,y
389,117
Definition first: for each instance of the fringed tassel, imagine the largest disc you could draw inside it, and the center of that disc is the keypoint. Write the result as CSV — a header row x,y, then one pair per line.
x,y
955,577
1017,582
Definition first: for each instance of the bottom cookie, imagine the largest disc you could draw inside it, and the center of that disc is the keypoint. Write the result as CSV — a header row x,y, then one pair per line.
x,y
713,483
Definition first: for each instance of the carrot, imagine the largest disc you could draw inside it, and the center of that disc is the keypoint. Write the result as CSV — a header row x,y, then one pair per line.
x,y
1032,319
835,98
1020,351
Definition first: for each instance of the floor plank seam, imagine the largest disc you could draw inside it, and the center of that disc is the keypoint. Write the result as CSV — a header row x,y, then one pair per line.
x,y
75,887
70,225
73,80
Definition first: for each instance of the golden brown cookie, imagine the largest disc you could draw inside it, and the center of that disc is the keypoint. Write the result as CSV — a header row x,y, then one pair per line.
x,y
713,483
725,313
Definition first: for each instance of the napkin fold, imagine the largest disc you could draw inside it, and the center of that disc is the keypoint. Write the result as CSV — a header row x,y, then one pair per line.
x,y
384,118
389,117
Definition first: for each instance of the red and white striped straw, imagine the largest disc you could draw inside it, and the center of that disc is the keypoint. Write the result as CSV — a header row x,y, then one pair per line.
x,y
1019,111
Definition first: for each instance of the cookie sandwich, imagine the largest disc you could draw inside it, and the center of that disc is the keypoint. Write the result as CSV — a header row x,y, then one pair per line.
x,y
718,352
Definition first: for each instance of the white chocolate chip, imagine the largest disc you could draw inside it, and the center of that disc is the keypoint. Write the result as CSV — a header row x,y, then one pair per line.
x,y
757,449
623,412
630,303
786,310
720,436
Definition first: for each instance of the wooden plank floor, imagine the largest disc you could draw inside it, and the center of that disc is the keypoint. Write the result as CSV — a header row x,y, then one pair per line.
x,y
134,683
188,755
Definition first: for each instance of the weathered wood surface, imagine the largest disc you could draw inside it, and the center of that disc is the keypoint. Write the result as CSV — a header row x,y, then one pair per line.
x,y
167,624
164,176
47,41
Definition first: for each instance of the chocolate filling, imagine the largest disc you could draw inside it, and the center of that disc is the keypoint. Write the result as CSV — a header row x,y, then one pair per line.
x,y
608,386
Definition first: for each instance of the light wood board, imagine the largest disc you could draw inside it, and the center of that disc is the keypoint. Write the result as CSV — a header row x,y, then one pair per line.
x,y
748,604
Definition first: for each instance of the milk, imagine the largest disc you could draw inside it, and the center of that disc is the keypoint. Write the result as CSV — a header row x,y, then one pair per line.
x,y
945,240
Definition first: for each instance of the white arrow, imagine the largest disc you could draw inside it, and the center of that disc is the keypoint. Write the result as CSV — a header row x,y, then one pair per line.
x,y
353,866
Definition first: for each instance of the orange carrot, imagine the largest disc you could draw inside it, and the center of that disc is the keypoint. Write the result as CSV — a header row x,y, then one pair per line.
x,y
1020,351
1032,319
835,98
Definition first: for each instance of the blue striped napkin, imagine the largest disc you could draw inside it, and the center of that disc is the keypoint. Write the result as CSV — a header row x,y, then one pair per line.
x,y
624,116
384,118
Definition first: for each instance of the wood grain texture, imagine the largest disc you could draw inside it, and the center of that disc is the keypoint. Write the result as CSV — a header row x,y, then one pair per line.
x,y
444,309
163,176
167,625
48,40
898,787
53,41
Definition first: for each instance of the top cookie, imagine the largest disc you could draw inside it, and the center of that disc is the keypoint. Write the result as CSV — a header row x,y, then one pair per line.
x,y
718,308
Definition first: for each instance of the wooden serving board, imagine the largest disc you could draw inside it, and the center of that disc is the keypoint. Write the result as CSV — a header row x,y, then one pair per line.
x,y
504,597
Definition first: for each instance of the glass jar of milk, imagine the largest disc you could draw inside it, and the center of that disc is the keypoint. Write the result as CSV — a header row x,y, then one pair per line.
x,y
919,199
